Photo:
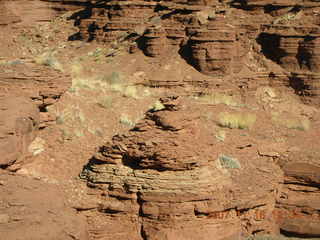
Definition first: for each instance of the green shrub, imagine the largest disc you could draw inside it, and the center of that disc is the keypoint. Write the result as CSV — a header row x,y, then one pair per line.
x,y
229,162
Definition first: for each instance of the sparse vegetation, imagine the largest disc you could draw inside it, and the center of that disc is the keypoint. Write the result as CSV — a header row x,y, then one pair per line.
x,y
37,146
236,120
76,70
185,170
125,120
218,98
96,53
78,80
228,162
82,83
290,122
48,59
71,118
96,131
287,17
113,82
113,78
157,106
130,91
64,116
78,133
221,135
13,62
105,102
299,124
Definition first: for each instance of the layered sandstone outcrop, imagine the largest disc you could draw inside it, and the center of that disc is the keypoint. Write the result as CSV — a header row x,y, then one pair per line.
x,y
19,120
167,179
168,26
219,38
295,49
298,206
28,80
30,70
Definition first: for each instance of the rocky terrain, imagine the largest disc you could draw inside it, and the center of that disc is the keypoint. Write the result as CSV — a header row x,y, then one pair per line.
x,y
159,120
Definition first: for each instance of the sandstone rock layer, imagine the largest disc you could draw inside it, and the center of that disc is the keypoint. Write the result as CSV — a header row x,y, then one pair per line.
x,y
18,127
168,178
298,203
219,38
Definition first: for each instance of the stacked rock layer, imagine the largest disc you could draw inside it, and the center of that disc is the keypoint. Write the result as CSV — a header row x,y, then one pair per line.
x,y
219,38
167,178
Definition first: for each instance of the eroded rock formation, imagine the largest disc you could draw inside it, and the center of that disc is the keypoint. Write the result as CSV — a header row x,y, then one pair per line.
x,y
18,127
29,82
196,30
298,204
168,180
219,38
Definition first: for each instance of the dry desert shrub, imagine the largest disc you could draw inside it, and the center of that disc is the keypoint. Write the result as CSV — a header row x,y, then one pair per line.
x,y
79,81
116,83
218,98
157,106
291,122
221,135
130,91
112,82
299,124
114,78
72,122
125,120
48,59
105,102
236,120
82,83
